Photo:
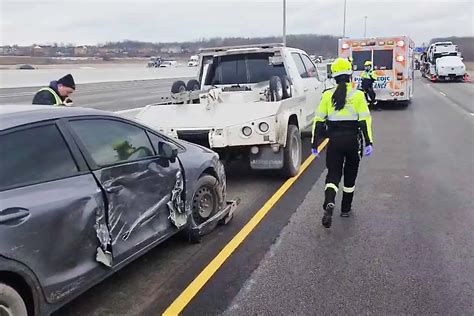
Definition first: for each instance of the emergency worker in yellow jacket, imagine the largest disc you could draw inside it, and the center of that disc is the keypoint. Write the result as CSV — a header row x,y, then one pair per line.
x,y
57,93
368,77
342,116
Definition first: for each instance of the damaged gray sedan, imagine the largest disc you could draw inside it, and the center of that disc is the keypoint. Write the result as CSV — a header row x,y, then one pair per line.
x,y
84,192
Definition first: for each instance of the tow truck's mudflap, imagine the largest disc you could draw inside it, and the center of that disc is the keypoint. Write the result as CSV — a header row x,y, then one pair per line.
x,y
267,159
224,216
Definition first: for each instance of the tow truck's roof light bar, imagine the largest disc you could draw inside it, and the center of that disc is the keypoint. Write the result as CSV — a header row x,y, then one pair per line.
x,y
225,48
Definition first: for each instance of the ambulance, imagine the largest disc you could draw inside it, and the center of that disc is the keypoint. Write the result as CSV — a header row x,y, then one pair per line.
x,y
392,59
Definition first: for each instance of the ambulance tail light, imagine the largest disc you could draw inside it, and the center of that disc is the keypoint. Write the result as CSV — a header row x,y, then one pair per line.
x,y
345,46
400,43
399,75
400,58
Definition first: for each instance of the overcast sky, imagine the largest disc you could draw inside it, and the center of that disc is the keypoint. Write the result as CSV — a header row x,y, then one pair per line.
x,y
90,22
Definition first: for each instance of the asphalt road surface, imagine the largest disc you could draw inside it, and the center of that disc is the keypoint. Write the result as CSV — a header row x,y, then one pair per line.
x,y
407,249
110,96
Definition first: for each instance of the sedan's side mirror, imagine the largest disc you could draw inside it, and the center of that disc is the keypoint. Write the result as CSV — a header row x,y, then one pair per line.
x,y
167,151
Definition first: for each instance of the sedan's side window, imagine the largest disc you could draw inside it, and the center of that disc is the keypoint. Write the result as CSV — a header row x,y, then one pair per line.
x,y
34,155
110,142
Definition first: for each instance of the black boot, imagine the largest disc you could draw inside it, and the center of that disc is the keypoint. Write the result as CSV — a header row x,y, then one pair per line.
x,y
328,206
346,204
327,217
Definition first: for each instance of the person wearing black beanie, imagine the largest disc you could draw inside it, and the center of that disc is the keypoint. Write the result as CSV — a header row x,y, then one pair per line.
x,y
57,93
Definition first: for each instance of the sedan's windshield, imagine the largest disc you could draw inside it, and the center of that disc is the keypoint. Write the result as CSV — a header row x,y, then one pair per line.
x,y
242,69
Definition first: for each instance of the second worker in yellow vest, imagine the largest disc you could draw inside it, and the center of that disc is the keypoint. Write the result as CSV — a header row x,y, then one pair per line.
x,y
368,77
342,116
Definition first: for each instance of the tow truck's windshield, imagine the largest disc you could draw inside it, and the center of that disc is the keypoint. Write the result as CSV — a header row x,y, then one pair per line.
x,y
242,69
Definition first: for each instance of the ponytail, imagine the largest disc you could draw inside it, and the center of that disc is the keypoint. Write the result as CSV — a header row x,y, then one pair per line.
x,y
339,96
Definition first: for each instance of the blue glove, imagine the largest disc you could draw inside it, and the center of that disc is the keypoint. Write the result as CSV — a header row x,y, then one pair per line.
x,y
368,150
314,151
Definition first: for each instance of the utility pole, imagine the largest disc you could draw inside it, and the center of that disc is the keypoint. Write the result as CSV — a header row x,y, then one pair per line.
x,y
365,26
284,22
344,24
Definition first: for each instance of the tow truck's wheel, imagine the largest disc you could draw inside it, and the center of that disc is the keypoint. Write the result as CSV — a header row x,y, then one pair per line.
x,y
178,87
11,302
292,152
276,89
193,85
286,85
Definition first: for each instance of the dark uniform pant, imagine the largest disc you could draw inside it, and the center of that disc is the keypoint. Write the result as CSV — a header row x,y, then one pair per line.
x,y
370,93
342,158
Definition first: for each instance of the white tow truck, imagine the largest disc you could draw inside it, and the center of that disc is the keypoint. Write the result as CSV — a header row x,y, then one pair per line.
x,y
247,102
442,62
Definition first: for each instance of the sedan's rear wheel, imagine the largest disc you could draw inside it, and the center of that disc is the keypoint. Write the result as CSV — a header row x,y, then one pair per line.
x,y
11,302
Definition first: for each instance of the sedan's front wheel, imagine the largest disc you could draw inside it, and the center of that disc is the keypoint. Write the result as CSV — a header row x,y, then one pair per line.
x,y
11,302
206,199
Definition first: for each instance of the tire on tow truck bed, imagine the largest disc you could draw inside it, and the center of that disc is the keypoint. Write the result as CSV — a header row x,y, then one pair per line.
x,y
178,86
292,153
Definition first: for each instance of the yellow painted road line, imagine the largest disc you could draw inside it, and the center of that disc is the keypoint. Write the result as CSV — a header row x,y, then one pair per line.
x,y
195,286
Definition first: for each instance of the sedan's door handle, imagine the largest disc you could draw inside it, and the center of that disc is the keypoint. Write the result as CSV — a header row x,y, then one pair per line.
x,y
13,214
114,189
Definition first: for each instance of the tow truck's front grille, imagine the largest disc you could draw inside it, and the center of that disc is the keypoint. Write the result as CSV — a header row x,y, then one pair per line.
x,y
200,137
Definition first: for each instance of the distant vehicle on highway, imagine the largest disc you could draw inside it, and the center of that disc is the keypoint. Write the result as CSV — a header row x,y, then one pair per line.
x,y
84,192
393,61
442,62
26,67
193,61
154,62
168,63
247,102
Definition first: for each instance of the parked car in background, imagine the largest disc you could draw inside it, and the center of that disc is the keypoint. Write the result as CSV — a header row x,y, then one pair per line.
x,y
168,63
154,62
26,67
193,61
84,192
